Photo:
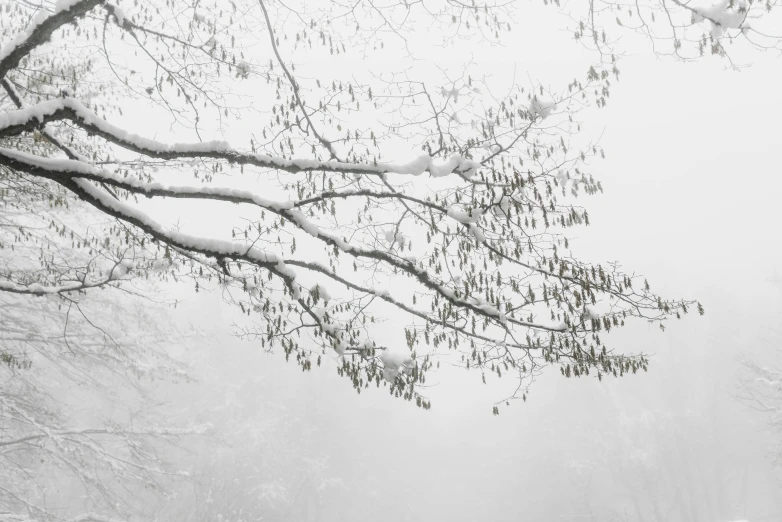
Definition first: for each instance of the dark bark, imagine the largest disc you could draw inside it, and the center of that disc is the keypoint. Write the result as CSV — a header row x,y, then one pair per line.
x,y
44,31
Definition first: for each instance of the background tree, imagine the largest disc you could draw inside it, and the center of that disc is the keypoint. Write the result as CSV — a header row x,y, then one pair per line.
x,y
79,435
762,391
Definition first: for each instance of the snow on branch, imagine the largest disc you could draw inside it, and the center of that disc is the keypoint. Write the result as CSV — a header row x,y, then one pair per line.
x,y
41,29
39,289
76,171
482,259
14,122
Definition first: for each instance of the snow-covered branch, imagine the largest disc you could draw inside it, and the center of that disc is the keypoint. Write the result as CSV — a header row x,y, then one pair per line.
x,y
43,25
15,122
75,170
475,255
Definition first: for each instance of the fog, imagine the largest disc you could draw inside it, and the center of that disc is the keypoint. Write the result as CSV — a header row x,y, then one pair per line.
x,y
691,196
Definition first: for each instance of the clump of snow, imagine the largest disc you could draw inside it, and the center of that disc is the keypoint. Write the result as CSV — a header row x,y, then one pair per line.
x,y
722,16
322,292
415,167
477,233
393,238
423,163
243,70
470,219
119,14
389,374
463,216
381,292
541,106
562,177
121,269
394,362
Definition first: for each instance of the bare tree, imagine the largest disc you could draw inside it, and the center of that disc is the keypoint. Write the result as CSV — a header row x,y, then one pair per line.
x,y
762,391
475,256
78,433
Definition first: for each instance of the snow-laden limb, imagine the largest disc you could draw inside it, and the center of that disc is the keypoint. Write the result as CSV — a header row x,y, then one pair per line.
x,y
728,14
157,431
75,168
75,175
722,16
40,30
213,247
16,98
422,314
237,250
94,517
481,258
71,175
240,251
28,119
41,289
231,249
425,163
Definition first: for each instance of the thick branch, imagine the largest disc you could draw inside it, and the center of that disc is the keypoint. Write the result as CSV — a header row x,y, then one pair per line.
x,y
15,122
42,28
72,175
